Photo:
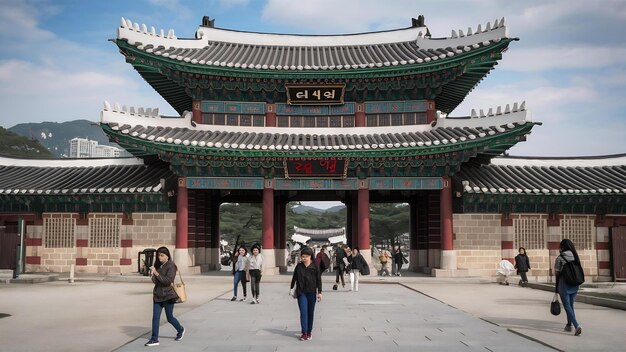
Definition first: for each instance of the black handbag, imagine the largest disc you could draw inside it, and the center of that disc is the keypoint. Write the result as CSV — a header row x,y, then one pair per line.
x,y
555,306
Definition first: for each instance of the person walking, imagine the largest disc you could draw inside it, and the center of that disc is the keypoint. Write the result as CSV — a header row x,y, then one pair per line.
x,y
255,270
398,260
567,292
306,286
340,266
322,260
357,263
522,264
163,274
385,262
241,266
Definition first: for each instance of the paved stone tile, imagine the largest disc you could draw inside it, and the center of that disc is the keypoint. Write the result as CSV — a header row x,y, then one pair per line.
x,y
377,318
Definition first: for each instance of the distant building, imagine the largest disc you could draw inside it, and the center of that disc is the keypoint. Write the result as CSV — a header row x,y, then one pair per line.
x,y
85,148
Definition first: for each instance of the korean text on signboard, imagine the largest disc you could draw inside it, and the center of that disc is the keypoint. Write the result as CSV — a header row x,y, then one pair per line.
x,y
315,168
315,94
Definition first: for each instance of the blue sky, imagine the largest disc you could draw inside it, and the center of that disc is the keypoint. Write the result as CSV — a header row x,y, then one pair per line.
x,y
56,63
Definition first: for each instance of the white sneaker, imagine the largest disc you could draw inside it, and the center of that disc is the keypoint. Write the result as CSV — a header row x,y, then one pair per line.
x,y
243,299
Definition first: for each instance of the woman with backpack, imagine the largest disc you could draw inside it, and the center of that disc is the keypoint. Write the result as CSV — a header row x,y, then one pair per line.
x,y
567,257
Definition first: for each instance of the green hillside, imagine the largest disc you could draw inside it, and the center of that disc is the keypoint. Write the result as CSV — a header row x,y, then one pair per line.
x,y
14,145
56,136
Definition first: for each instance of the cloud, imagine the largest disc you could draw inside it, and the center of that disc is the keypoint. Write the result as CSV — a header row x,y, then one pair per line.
x,y
549,58
45,91
331,16
226,4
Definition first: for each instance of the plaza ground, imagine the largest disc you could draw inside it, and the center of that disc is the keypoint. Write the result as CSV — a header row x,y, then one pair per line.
x,y
404,314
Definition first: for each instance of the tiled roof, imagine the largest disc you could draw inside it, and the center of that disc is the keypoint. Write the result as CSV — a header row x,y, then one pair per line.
x,y
79,176
264,51
182,131
547,176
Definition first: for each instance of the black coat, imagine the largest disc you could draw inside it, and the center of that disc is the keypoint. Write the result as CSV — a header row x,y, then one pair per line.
x,y
308,279
522,264
163,290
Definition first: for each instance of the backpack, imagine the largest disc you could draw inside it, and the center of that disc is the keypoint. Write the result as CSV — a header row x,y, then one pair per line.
x,y
572,272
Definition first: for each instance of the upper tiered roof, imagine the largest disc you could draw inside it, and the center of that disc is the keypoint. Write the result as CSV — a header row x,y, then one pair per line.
x,y
402,64
275,52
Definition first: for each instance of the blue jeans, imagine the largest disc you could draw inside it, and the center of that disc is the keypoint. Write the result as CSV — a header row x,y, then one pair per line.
x,y
306,304
240,276
568,297
157,307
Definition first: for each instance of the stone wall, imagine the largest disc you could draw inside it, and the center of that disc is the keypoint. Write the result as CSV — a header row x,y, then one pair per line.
x,y
138,232
477,239
482,240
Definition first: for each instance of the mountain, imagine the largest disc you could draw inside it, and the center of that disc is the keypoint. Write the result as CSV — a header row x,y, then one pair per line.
x,y
14,145
56,136
302,209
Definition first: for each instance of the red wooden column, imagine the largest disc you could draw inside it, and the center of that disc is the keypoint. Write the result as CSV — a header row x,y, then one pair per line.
x,y
431,113
267,242
364,219
196,111
448,256
359,115
270,115
446,214
182,215
268,216
215,231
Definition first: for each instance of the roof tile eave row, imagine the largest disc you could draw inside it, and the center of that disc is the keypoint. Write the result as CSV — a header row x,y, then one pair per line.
x,y
218,48
533,180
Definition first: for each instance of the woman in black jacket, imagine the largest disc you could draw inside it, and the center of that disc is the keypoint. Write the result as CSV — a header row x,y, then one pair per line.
x,y
163,274
522,264
306,286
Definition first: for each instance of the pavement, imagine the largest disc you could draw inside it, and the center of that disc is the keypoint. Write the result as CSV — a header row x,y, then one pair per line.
x,y
409,313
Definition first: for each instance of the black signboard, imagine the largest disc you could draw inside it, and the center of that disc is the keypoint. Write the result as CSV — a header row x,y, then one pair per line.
x,y
315,94
328,167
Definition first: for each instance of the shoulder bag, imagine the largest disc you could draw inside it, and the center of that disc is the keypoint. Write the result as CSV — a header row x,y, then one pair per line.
x,y
179,288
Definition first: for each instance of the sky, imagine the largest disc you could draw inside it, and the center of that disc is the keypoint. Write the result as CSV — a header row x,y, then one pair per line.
x,y
57,63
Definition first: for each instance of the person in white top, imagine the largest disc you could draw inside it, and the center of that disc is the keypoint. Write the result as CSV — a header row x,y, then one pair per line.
x,y
255,270
240,267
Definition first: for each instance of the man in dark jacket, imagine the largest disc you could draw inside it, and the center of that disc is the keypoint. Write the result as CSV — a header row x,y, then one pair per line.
x,y
340,266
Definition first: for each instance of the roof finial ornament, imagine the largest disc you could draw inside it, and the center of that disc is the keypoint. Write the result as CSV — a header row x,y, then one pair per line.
x,y
208,22
418,22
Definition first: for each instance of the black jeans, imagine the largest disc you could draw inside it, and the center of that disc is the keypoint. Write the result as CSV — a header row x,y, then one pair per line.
x,y
339,270
523,275
255,279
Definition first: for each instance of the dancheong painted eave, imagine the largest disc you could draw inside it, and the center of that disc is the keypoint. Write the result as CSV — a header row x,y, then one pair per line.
x,y
447,133
601,175
215,47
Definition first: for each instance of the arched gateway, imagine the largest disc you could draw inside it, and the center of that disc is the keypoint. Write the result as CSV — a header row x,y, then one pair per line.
x,y
357,118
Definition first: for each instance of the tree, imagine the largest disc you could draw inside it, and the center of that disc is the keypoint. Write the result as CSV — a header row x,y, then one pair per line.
x,y
388,222
244,219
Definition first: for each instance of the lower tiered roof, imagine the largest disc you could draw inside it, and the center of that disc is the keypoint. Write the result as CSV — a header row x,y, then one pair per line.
x,y
120,184
518,184
139,133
